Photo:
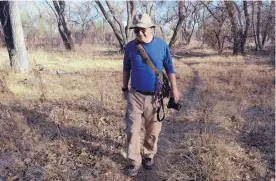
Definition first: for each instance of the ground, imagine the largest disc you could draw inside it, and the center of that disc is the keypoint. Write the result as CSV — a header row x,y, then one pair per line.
x,y
64,120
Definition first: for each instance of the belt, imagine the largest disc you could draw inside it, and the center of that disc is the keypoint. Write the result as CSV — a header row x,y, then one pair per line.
x,y
144,93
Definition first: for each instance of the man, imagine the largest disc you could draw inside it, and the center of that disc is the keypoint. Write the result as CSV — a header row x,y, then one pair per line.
x,y
140,97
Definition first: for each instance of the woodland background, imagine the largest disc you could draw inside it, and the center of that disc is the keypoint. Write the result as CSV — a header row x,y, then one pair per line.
x,y
61,110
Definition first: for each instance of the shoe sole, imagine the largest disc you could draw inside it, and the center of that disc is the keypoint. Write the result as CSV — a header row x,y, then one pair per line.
x,y
147,167
131,175
127,173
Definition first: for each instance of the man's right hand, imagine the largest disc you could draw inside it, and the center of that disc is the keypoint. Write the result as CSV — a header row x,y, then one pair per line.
x,y
124,94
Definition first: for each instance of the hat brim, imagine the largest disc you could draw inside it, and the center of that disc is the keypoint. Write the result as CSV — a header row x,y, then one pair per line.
x,y
140,25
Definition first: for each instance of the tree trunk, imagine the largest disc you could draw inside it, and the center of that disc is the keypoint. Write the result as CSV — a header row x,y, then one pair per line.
x,y
203,28
131,11
247,24
253,27
6,25
220,20
179,23
259,24
14,37
219,44
220,47
268,23
113,26
114,15
63,29
191,34
234,28
148,7
162,31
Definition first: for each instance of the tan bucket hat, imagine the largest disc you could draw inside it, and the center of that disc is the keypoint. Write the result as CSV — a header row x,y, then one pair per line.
x,y
142,21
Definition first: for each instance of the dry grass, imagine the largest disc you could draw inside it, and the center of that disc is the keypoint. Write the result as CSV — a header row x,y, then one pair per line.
x,y
64,120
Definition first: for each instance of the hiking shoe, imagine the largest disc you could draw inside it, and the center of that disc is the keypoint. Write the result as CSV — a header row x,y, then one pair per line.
x,y
148,163
131,170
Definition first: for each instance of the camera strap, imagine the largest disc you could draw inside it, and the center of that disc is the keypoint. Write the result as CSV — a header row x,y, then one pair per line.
x,y
146,58
158,111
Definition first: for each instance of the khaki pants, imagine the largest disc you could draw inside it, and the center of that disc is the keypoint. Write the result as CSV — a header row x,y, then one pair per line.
x,y
138,106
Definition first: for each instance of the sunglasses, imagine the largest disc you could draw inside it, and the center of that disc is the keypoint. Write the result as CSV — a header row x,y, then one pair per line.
x,y
137,30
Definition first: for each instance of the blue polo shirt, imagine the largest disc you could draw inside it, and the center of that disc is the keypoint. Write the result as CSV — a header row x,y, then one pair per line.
x,y
142,76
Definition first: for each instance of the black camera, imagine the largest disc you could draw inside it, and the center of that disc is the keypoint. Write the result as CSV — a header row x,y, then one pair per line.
x,y
173,105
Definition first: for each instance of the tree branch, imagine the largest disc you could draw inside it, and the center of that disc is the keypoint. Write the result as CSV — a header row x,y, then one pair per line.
x,y
211,12
53,10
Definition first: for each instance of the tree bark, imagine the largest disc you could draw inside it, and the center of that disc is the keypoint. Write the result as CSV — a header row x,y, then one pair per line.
x,y
114,15
6,25
148,7
191,34
268,23
113,26
131,11
247,24
162,32
220,20
203,28
258,31
179,23
14,37
234,28
63,29
238,30
253,27
220,44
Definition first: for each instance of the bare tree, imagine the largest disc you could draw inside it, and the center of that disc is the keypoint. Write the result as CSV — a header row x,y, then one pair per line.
x,y
263,25
131,11
253,26
258,30
181,18
118,19
14,37
201,26
215,32
115,20
247,25
165,18
148,7
82,17
271,32
268,24
63,29
238,31
192,17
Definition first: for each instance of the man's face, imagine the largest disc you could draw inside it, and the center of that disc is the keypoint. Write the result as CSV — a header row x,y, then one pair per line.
x,y
142,34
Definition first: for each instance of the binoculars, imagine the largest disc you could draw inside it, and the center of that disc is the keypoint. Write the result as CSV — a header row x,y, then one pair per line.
x,y
173,105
